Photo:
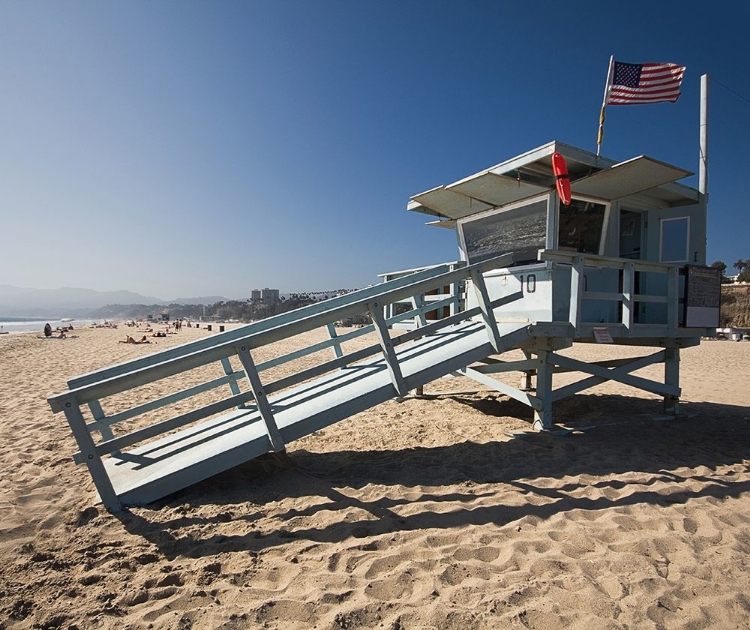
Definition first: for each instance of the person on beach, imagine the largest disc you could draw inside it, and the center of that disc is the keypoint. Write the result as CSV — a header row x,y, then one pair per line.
x,y
47,330
129,339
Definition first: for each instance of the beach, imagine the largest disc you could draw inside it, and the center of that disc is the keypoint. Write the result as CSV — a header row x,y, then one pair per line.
x,y
441,511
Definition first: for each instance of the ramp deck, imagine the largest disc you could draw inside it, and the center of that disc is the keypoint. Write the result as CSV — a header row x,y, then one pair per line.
x,y
164,466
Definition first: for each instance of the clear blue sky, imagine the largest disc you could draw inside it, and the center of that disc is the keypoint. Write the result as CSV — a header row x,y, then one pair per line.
x,y
198,148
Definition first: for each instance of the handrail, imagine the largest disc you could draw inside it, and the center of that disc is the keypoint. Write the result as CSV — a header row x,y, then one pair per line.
x,y
592,260
110,381
143,433
253,328
266,365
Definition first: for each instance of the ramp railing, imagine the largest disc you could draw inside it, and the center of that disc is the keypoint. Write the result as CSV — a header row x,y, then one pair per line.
x,y
232,353
450,297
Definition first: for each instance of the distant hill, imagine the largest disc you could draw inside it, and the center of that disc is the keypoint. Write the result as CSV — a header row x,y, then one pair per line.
x,y
76,302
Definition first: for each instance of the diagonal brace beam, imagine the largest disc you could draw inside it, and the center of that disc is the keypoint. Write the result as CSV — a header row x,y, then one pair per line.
x,y
264,407
620,375
503,388
485,306
386,344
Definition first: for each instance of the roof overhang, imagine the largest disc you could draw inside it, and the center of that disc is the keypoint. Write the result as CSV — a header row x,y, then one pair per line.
x,y
531,174
628,178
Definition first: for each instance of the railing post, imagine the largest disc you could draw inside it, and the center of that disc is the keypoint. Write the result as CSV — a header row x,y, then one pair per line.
x,y
77,424
456,289
264,407
337,352
233,387
628,289
419,301
391,360
576,291
98,413
673,278
488,315
543,416
671,404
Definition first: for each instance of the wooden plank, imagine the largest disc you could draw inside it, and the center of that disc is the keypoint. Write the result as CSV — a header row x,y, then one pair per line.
x,y
485,306
172,366
544,371
619,375
162,402
628,289
630,366
673,279
93,461
605,261
153,430
227,367
503,388
174,461
360,296
386,346
497,367
655,299
337,352
602,295
576,291
261,399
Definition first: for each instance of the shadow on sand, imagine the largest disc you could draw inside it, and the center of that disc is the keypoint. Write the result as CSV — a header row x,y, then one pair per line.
x,y
620,438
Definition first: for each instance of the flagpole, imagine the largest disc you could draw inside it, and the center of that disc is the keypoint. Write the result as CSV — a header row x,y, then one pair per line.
x,y
703,166
600,135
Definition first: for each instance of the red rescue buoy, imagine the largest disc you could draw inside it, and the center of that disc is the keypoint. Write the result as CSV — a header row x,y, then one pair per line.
x,y
562,179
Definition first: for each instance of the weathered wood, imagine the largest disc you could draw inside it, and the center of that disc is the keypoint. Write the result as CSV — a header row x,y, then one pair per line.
x,y
616,375
483,298
621,366
261,398
386,346
93,461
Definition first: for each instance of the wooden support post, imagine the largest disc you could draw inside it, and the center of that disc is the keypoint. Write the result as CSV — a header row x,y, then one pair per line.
x,y
485,306
391,360
92,459
628,289
543,416
671,404
673,303
264,407
576,292
456,290
526,385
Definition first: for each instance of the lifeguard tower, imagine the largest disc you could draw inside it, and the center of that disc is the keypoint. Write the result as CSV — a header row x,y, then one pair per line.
x,y
623,263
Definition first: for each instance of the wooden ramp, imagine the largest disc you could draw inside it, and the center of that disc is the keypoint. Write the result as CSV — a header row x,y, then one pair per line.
x,y
160,456
173,462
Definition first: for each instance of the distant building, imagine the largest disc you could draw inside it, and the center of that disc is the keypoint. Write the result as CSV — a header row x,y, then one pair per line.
x,y
255,295
269,296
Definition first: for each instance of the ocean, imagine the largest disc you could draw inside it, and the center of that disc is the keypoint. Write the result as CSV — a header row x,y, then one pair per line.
x,y
26,324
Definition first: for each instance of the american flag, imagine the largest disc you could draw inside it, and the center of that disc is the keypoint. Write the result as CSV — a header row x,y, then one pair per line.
x,y
641,83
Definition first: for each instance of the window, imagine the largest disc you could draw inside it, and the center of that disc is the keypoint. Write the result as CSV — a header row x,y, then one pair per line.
x,y
581,226
674,239
521,230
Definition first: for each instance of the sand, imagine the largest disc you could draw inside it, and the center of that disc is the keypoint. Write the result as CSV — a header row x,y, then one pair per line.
x,y
439,512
